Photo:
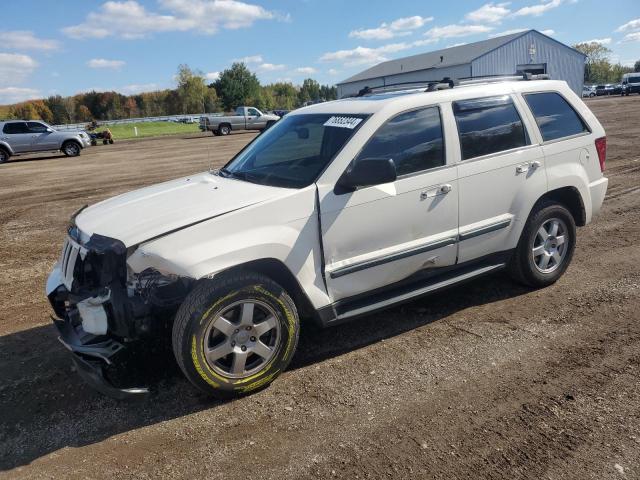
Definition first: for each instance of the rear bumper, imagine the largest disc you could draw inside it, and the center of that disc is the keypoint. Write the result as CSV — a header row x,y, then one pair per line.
x,y
598,190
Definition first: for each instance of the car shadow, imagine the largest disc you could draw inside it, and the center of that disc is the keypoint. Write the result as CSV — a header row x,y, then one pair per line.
x,y
34,159
45,406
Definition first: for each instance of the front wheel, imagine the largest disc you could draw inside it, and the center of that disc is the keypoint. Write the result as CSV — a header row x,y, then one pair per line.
x,y
4,156
71,149
235,334
546,246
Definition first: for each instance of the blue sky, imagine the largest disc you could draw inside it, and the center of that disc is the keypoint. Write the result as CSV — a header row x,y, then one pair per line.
x,y
69,46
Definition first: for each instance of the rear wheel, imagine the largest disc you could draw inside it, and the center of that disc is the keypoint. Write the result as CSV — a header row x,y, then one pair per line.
x,y
235,334
546,246
224,130
71,148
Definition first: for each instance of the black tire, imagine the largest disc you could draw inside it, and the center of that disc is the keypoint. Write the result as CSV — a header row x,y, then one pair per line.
x,y
522,266
111,141
194,332
71,148
4,155
105,142
224,129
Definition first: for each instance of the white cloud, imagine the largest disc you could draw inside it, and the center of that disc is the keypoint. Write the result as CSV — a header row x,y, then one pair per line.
x,y
453,31
270,67
539,9
128,19
250,59
104,63
400,27
507,32
212,76
26,40
632,37
9,95
601,41
489,13
364,55
306,70
549,32
134,89
629,26
14,68
333,71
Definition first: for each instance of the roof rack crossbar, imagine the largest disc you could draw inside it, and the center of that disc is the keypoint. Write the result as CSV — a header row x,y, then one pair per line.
x,y
446,82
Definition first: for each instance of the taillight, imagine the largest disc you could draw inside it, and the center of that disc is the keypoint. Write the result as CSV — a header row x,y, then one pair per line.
x,y
601,147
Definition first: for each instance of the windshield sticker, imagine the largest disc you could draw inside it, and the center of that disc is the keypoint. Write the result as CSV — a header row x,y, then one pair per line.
x,y
343,122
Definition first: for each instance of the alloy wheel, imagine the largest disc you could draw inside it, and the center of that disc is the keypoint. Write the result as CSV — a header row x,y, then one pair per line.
x,y
550,245
242,338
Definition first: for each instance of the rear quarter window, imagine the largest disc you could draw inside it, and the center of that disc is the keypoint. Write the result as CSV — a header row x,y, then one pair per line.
x,y
555,117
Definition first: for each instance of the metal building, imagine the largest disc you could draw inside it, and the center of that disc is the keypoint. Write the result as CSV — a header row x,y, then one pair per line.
x,y
527,51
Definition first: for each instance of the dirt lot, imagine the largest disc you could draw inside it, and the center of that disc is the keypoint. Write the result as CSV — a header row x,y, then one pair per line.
x,y
489,381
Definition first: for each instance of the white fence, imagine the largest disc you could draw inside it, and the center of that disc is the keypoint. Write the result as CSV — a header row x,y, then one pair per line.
x,y
165,118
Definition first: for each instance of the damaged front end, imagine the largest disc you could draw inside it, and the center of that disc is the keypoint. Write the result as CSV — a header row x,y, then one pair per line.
x,y
105,313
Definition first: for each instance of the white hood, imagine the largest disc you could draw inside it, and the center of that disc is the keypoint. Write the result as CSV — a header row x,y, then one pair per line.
x,y
159,209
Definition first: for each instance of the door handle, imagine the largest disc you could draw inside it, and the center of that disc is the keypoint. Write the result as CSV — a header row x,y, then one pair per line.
x,y
536,164
522,168
446,188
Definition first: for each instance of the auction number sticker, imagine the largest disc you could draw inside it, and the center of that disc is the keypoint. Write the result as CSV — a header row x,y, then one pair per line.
x,y
343,122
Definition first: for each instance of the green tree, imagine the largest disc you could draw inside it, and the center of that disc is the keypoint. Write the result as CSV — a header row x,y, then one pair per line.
x,y
597,64
237,86
285,95
310,91
636,66
58,109
192,90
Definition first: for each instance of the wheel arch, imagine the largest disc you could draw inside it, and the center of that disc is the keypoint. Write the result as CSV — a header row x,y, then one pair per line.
x,y
571,198
277,271
64,142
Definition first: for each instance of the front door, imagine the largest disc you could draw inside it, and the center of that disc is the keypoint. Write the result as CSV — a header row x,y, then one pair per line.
x,y
255,121
376,236
501,174
42,138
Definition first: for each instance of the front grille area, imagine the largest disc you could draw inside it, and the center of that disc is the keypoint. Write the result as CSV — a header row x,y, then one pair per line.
x,y
70,253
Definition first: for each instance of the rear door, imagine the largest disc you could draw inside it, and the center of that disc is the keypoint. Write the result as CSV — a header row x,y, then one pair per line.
x,y
501,175
42,138
379,235
18,136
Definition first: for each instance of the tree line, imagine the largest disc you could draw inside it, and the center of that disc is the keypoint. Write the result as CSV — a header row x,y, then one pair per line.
x,y
599,68
193,94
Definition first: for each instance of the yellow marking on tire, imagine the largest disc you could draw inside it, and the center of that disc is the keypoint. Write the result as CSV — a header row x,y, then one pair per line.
x,y
196,363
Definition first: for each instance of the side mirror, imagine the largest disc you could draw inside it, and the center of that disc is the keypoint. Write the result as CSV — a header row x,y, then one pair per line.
x,y
366,172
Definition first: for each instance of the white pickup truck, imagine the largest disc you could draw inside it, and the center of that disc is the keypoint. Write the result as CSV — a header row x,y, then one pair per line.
x,y
339,210
244,118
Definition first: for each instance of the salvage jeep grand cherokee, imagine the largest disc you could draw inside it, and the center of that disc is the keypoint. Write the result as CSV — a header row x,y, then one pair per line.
x,y
338,210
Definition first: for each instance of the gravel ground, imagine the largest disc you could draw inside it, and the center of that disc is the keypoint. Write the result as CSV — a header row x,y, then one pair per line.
x,y
490,380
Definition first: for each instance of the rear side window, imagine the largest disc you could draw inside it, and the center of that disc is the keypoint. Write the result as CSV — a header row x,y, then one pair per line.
x,y
554,116
15,127
488,125
413,140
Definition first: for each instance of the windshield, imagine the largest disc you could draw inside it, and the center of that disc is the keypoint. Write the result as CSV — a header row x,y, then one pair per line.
x,y
294,151
633,79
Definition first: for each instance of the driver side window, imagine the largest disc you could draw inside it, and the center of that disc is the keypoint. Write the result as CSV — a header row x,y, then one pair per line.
x,y
36,127
413,140
253,112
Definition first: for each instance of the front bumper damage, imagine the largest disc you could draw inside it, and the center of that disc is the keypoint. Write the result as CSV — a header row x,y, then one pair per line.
x,y
90,358
90,353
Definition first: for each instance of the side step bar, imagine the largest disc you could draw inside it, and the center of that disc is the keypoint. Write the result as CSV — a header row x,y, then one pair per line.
x,y
405,296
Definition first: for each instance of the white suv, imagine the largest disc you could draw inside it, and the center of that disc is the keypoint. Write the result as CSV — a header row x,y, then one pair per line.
x,y
339,209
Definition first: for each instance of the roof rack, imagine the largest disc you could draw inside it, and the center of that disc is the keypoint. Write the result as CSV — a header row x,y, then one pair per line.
x,y
446,83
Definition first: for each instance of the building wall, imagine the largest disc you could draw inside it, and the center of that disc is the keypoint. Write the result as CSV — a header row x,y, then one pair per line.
x,y
456,71
563,63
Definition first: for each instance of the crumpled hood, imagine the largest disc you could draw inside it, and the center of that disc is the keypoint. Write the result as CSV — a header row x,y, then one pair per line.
x,y
159,209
